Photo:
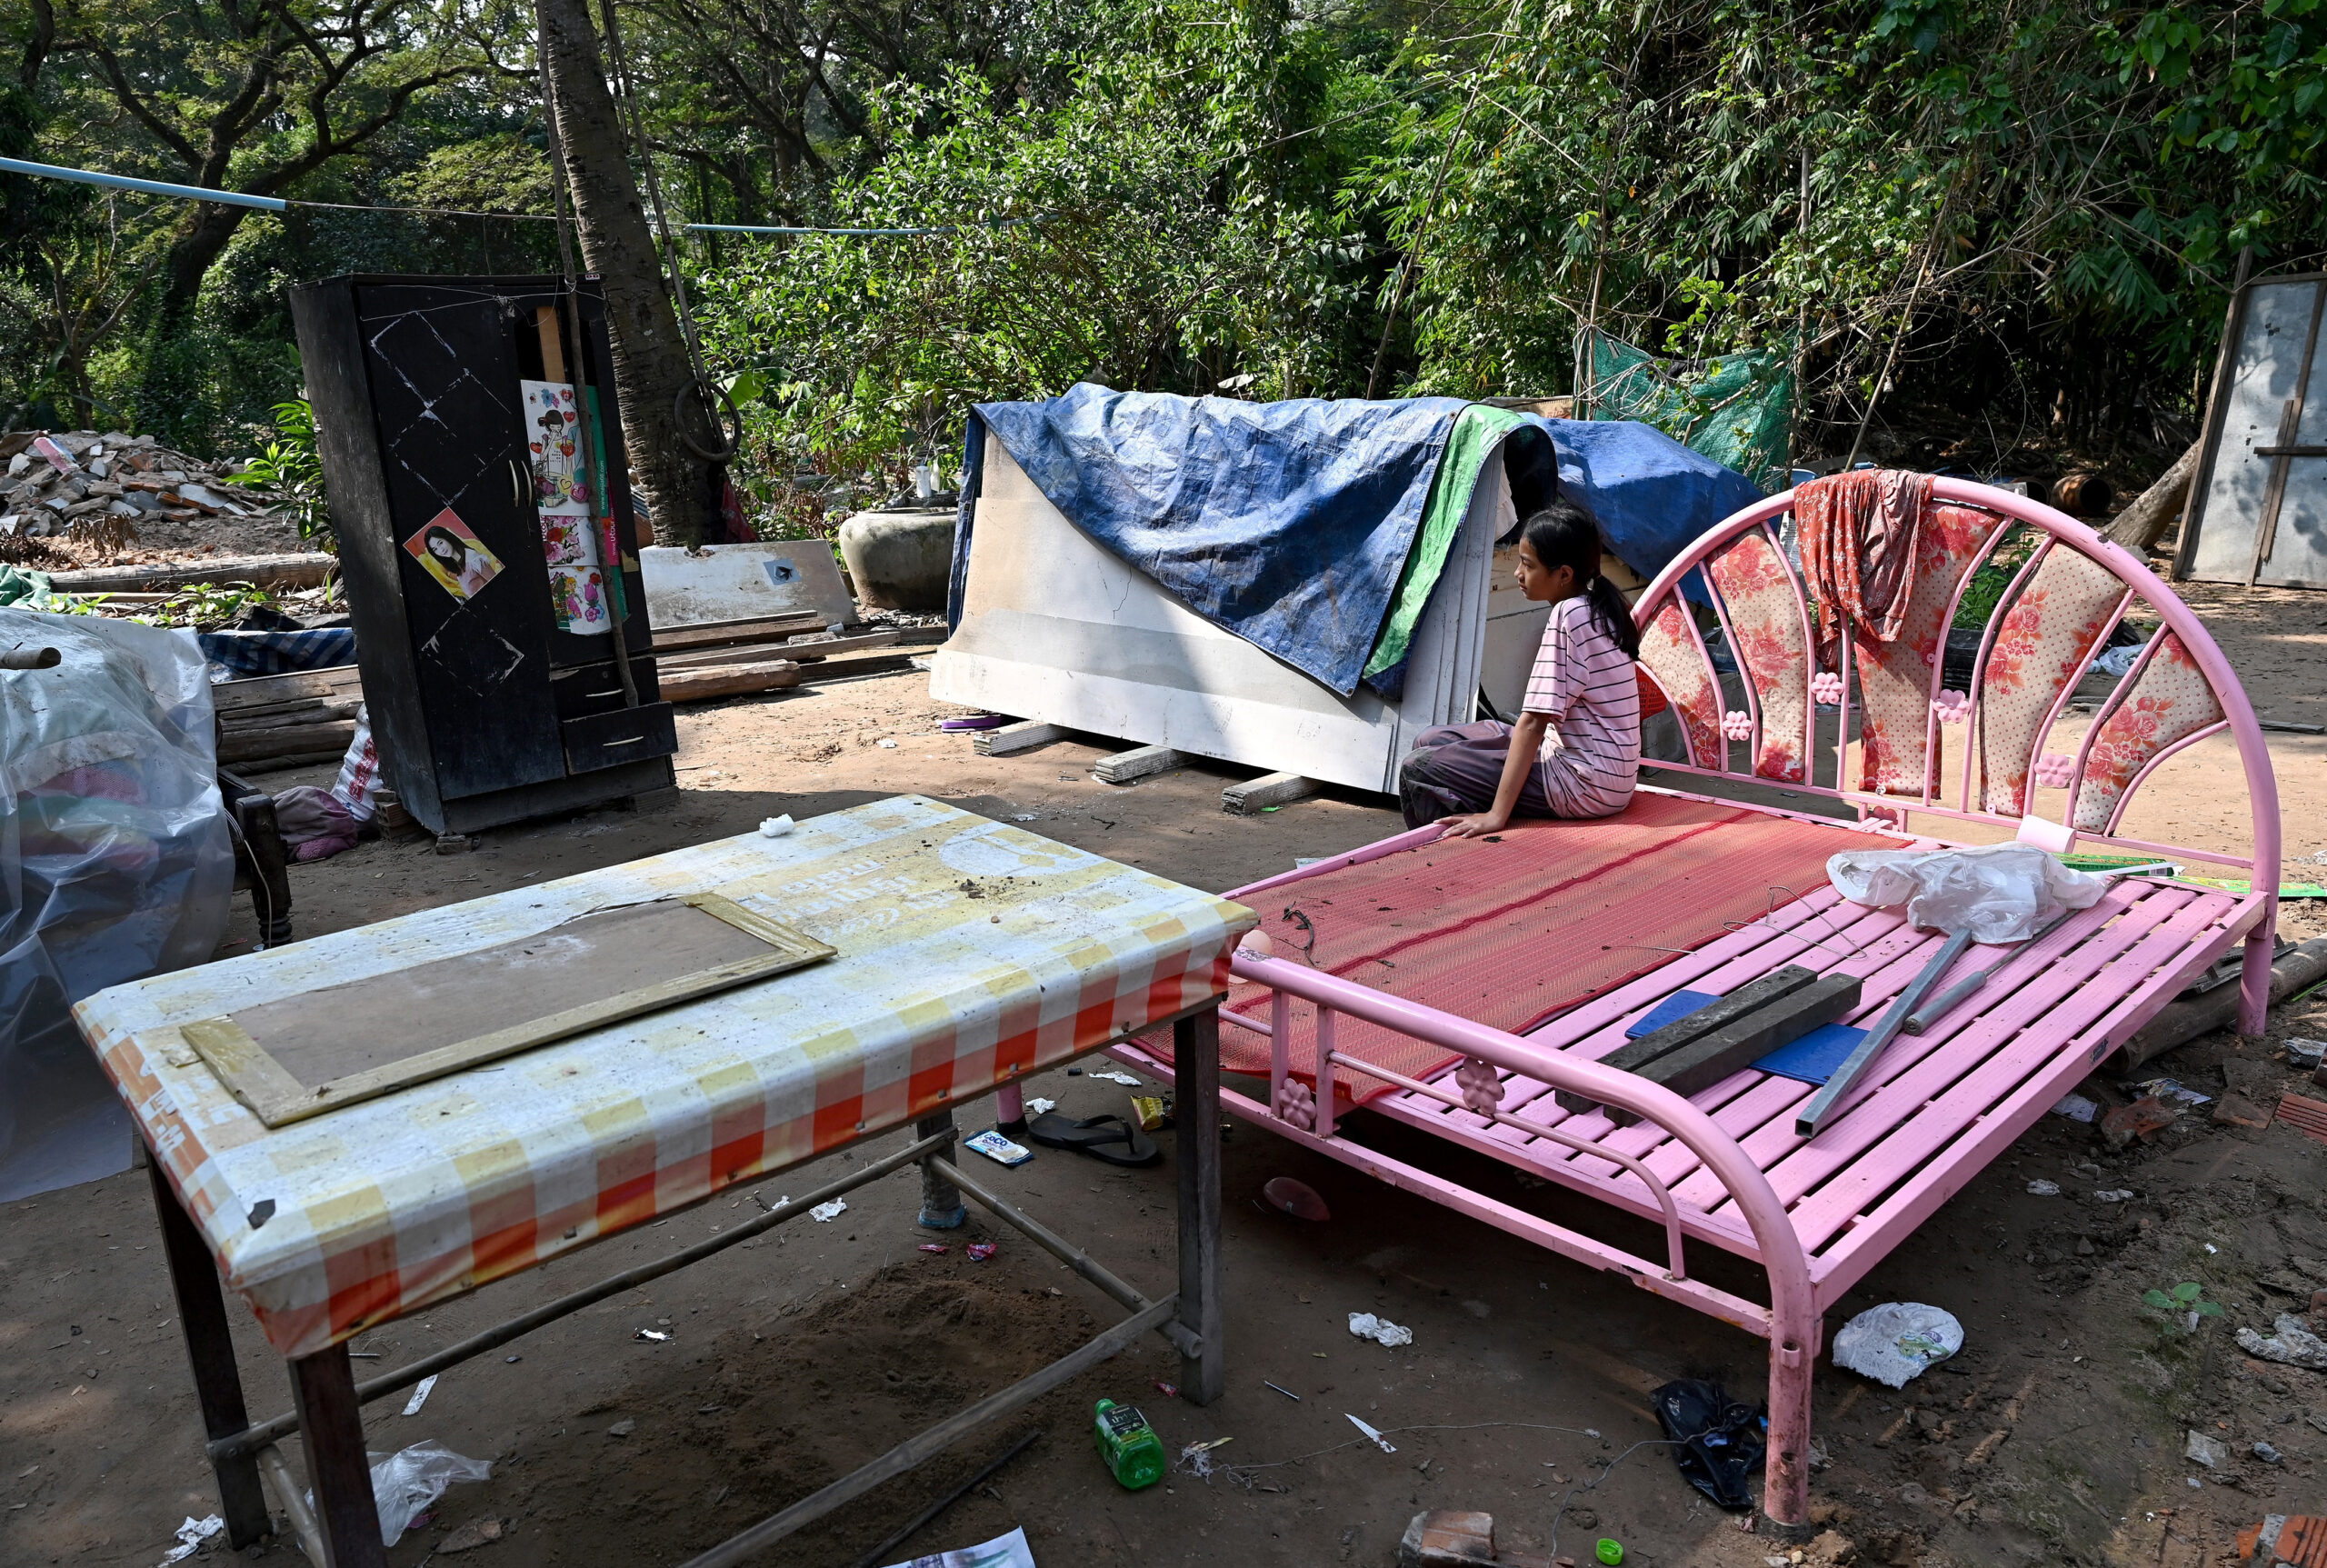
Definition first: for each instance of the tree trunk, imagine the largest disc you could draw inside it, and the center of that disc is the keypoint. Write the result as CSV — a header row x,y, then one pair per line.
x,y
2158,507
192,254
680,489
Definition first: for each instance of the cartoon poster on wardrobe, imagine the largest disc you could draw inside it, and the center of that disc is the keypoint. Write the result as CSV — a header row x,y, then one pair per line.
x,y
553,440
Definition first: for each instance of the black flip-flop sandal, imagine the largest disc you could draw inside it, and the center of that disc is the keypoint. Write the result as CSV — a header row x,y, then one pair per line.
x,y
1108,1138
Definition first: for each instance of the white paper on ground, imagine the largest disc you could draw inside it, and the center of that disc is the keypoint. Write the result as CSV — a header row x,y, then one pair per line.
x,y
1379,1330
420,1395
825,1213
1009,1551
191,1535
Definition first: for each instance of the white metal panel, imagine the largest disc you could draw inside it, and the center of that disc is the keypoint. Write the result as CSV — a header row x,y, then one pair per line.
x,y
2276,332
1054,628
743,582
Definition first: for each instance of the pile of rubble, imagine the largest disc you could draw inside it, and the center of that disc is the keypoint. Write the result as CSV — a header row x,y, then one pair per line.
x,y
98,488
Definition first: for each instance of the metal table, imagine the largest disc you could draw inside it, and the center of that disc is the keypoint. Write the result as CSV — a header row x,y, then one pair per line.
x,y
969,954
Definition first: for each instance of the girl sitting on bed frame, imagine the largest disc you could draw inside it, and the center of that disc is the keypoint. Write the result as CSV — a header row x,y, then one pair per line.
x,y
1575,750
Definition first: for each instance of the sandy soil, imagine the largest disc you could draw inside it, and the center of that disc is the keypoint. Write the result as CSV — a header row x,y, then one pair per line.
x,y
799,1354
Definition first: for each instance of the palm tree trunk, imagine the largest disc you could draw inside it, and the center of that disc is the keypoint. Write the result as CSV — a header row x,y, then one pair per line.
x,y
650,368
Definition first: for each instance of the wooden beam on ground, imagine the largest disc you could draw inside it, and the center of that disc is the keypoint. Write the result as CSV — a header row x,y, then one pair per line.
x,y
1011,739
304,570
1138,764
697,685
283,740
1256,796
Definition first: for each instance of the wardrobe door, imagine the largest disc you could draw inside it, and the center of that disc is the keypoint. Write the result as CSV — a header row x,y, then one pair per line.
x,y
452,439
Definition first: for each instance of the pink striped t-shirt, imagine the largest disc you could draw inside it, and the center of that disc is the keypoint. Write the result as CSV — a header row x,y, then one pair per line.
x,y
1590,757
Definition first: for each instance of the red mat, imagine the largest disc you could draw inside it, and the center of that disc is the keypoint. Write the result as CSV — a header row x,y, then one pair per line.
x,y
1513,933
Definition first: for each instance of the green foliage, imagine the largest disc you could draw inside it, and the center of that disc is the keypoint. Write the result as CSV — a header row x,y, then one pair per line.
x,y
2029,212
2184,1299
292,467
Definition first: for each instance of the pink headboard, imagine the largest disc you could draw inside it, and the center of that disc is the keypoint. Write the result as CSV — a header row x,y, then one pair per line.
x,y
2057,613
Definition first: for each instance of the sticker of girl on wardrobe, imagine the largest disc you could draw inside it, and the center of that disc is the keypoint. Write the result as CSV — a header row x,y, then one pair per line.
x,y
1575,750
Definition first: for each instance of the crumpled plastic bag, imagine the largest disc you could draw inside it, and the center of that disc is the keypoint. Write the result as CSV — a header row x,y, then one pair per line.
x,y
1895,1342
1721,1440
114,864
404,1483
1379,1330
1999,891
2293,1343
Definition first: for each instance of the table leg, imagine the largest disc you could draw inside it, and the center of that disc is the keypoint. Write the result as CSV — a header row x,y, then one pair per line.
x,y
942,1208
331,1425
217,1386
1195,1107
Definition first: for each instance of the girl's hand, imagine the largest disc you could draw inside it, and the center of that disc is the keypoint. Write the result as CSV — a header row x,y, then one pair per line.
x,y
1474,825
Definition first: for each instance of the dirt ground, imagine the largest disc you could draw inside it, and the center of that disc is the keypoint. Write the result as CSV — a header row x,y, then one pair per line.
x,y
797,1355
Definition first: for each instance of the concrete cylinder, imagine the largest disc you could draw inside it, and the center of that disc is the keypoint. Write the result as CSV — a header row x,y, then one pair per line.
x,y
900,560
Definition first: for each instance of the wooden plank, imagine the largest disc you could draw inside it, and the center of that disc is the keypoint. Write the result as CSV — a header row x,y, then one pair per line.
x,y
289,740
1635,1054
306,570
1011,739
1254,796
1704,1062
293,1058
731,634
278,715
1140,763
263,691
727,681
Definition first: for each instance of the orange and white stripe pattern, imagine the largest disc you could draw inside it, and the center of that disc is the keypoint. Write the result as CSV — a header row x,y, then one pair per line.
x,y
970,953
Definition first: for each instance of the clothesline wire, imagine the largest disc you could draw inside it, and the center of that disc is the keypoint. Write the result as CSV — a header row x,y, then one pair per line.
x,y
281,204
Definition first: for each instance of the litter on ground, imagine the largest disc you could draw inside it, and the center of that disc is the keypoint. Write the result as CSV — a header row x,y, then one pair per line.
x,y
1379,1330
1897,1341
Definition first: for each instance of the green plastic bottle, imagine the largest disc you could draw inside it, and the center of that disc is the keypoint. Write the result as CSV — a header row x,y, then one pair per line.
x,y
1128,1444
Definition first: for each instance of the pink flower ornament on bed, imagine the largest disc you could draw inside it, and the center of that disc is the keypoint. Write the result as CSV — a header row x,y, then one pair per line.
x,y
1481,1085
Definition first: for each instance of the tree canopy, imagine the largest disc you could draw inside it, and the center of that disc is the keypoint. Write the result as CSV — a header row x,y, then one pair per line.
x,y
2002,223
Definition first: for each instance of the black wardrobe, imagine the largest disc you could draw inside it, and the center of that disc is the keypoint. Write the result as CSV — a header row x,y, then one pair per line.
x,y
487,707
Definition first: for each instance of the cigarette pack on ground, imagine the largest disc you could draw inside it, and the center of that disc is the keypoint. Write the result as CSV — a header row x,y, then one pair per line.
x,y
1153,1112
995,1146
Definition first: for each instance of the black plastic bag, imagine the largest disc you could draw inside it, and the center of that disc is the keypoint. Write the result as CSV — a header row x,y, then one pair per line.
x,y
1721,1441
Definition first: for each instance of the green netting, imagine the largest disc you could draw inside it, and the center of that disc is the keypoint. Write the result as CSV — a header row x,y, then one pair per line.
x,y
1735,408
1476,431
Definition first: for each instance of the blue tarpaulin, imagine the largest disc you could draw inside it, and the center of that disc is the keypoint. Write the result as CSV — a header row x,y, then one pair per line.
x,y
1284,523
1653,496
1288,524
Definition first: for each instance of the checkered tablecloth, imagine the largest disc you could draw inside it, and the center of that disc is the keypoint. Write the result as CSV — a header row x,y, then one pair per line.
x,y
940,992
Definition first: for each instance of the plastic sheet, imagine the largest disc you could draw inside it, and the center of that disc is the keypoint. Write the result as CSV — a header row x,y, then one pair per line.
x,y
404,1483
2000,892
1895,1342
114,863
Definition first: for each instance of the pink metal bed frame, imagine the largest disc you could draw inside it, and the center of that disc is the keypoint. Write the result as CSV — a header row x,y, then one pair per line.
x,y
1725,1166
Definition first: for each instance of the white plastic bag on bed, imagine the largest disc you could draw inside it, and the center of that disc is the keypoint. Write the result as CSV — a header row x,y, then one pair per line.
x,y
1999,891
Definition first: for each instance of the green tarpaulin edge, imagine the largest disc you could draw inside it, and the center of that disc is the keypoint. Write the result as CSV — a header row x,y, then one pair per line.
x,y
1475,434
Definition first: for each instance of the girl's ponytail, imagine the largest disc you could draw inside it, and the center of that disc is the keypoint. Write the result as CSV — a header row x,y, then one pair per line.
x,y
1563,534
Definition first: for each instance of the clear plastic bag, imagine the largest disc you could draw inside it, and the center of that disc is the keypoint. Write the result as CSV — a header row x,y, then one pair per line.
x,y
115,863
404,1483
1999,891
